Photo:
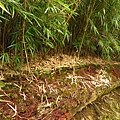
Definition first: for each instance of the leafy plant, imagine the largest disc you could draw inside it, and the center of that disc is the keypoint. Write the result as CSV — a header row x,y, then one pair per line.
x,y
35,25
5,58
97,27
3,8
28,27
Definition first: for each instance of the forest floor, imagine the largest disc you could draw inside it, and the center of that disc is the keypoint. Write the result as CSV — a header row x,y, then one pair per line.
x,y
57,88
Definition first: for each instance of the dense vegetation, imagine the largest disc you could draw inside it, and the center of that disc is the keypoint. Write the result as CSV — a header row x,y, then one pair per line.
x,y
91,27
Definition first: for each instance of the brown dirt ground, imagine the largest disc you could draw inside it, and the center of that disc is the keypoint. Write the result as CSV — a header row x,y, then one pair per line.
x,y
23,96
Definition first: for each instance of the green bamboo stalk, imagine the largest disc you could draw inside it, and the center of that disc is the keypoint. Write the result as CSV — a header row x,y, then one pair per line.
x,y
86,26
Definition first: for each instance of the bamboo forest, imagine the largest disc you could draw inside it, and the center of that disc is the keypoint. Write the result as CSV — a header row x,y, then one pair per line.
x,y
59,59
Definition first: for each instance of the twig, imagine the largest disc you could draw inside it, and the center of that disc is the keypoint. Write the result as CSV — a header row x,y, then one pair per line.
x,y
14,109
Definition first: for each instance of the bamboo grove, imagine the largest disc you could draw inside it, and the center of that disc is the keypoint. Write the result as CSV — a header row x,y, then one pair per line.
x,y
29,26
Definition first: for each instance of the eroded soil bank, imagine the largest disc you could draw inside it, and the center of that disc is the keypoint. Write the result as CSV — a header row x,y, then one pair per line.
x,y
66,92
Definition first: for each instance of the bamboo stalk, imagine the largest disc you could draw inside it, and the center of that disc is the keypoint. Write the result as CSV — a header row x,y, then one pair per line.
x,y
86,26
23,38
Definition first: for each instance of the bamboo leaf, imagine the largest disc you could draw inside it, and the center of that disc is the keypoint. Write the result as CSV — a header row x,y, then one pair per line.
x,y
3,8
1,84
